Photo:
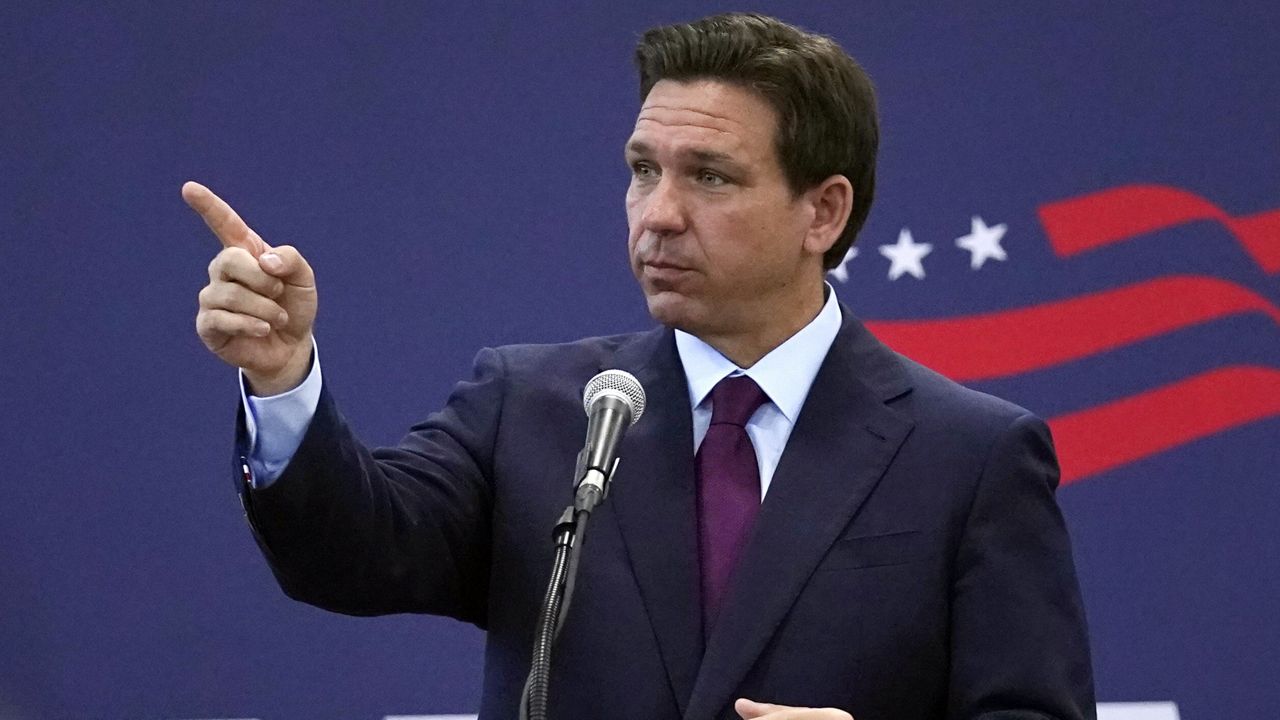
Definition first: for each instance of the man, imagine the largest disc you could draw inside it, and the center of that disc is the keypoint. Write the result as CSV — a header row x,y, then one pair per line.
x,y
907,559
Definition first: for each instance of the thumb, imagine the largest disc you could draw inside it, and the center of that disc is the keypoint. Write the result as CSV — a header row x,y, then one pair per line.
x,y
286,263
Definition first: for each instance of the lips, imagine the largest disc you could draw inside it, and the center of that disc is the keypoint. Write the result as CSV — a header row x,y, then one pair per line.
x,y
665,276
664,265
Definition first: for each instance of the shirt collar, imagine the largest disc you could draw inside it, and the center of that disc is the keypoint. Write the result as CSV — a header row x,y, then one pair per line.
x,y
785,374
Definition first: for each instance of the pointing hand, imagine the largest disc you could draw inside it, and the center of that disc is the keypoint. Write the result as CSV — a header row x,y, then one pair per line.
x,y
258,309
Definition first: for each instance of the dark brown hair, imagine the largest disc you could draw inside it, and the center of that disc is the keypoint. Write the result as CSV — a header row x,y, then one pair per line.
x,y
824,101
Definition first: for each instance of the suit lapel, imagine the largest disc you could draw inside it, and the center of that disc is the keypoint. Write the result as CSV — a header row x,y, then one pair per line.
x,y
654,502
843,441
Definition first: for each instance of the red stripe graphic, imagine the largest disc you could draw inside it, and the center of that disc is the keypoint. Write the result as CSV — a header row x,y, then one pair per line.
x,y
1113,434
1102,218
979,347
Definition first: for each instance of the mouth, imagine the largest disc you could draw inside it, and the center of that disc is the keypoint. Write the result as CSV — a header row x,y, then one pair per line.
x,y
664,266
665,276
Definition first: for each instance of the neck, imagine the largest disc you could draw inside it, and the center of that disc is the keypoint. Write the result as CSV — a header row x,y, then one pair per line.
x,y
746,348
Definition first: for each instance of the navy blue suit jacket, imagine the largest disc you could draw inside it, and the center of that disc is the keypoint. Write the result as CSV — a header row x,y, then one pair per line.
x,y
909,560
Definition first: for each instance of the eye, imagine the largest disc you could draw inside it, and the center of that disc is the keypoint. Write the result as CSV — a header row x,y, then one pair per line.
x,y
643,170
711,178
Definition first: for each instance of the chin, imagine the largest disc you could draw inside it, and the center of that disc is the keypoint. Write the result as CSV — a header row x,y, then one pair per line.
x,y
669,309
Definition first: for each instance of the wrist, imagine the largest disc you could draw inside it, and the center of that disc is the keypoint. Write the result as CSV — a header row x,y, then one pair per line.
x,y
287,378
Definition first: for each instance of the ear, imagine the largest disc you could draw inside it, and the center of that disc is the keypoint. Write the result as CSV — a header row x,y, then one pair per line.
x,y
832,201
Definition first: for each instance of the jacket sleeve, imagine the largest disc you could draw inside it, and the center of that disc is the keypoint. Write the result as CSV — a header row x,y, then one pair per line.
x,y
401,529
1019,643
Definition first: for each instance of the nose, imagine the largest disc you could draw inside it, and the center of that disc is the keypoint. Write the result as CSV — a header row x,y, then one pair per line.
x,y
664,212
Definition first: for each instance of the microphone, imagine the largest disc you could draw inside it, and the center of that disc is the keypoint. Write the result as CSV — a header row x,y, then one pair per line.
x,y
614,401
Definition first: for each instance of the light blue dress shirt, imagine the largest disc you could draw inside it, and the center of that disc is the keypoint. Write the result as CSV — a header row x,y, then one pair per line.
x,y
785,374
277,424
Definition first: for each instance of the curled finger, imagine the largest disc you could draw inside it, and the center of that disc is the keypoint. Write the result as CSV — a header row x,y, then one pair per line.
x,y
236,298
216,326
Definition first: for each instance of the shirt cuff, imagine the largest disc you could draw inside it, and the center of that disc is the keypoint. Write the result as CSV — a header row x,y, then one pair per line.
x,y
277,423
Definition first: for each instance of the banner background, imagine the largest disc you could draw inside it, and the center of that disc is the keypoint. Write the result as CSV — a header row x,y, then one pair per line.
x,y
455,177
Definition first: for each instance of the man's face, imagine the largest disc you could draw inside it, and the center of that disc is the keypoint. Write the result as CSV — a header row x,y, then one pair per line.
x,y
716,239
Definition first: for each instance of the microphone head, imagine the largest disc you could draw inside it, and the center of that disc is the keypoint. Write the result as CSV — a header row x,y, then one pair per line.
x,y
615,383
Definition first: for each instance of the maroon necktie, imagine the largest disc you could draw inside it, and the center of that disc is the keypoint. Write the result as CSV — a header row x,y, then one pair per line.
x,y
728,488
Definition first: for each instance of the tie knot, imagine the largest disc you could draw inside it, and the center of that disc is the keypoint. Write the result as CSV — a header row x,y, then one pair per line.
x,y
735,399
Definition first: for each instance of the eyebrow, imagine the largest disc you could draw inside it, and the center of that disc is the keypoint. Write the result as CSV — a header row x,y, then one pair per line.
x,y
639,147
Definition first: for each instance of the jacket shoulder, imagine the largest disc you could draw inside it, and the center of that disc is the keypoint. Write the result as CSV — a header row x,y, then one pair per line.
x,y
936,398
580,358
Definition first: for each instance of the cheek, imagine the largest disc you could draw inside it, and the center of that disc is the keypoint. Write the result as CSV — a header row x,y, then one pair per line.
x,y
634,204
778,232
635,227
634,211
638,244
752,244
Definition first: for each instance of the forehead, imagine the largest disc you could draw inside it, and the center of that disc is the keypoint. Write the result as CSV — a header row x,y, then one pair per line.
x,y
704,115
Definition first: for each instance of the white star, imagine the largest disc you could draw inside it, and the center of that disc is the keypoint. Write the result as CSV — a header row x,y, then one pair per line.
x,y
840,272
983,242
906,256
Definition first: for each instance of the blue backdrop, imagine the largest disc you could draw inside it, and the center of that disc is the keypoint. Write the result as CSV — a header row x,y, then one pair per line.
x,y
455,177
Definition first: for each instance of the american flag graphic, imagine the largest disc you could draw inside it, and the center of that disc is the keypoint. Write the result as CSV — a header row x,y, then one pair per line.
x,y
1024,343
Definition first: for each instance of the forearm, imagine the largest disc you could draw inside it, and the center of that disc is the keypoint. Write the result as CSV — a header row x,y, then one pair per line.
x,y
402,529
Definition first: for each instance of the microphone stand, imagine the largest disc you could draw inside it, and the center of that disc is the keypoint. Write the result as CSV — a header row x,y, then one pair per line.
x,y
569,533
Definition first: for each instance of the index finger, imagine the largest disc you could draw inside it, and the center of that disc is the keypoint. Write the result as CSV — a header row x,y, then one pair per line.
x,y
221,219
